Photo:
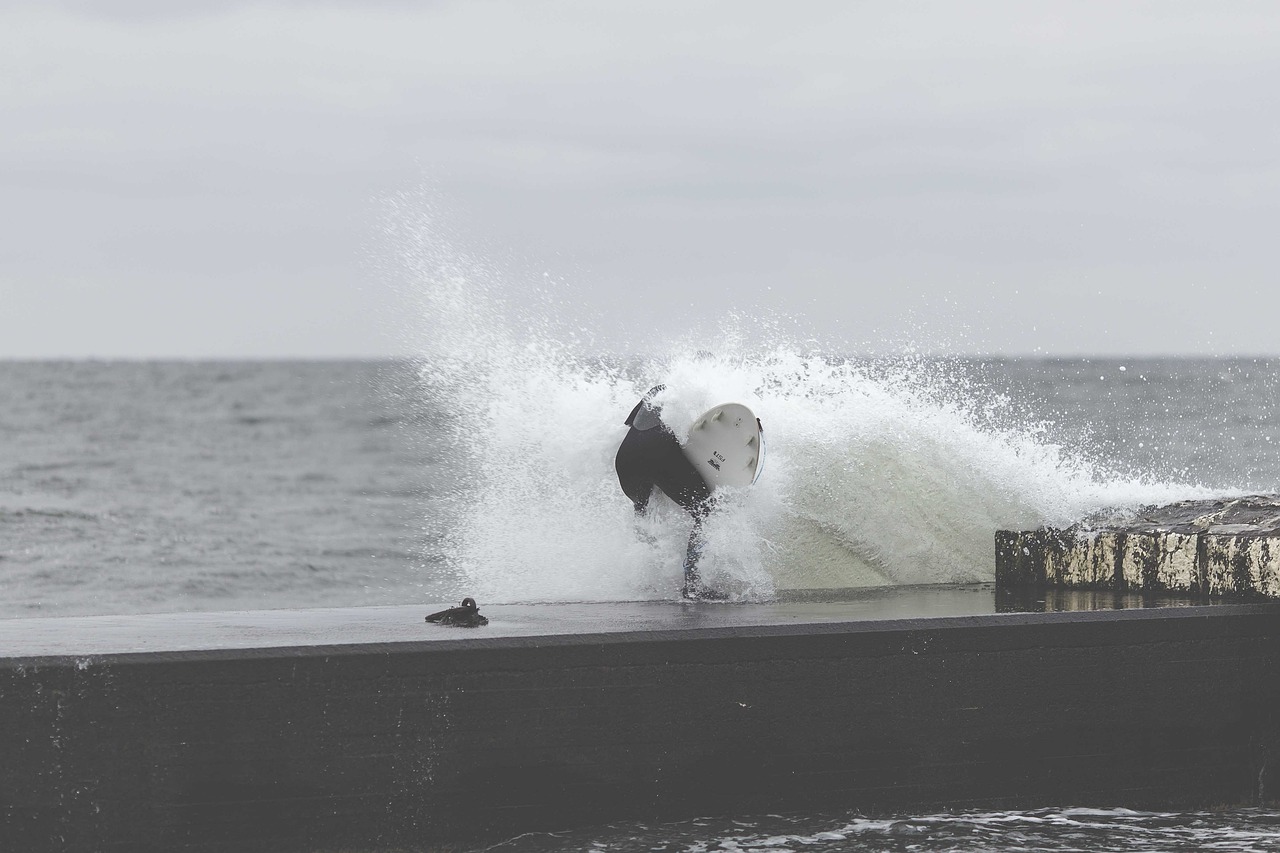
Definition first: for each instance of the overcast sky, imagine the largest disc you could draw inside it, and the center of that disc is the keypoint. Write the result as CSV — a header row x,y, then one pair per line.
x,y
980,177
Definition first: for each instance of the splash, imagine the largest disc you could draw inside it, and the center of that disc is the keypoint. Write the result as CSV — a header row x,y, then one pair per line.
x,y
878,472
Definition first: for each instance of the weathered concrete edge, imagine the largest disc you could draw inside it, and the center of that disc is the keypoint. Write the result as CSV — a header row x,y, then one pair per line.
x,y
474,641
1203,562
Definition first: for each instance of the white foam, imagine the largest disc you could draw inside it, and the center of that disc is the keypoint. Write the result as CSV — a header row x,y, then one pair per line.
x,y
884,476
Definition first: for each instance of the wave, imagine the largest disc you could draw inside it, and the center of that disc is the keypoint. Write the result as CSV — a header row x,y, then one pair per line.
x,y
878,472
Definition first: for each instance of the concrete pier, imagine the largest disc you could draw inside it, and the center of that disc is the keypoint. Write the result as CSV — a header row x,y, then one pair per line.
x,y
369,730
1207,548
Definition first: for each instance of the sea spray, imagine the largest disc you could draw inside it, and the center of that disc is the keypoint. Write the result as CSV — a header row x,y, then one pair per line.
x,y
878,471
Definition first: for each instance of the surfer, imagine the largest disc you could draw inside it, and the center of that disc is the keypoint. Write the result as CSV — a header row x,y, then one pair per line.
x,y
650,456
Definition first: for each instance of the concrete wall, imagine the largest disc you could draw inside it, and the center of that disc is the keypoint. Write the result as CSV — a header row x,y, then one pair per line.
x,y
372,747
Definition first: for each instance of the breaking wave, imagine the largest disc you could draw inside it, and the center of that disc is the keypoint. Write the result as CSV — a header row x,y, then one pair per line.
x,y
879,471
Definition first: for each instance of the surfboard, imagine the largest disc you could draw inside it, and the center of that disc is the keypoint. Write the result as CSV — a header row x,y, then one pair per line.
x,y
726,445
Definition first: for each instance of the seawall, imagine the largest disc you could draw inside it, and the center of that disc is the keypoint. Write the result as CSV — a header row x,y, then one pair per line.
x,y
461,736
1218,547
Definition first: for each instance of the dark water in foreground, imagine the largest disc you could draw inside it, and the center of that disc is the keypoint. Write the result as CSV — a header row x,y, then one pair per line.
x,y
1070,829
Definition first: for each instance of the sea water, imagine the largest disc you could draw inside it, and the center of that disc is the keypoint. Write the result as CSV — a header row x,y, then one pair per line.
x,y
162,486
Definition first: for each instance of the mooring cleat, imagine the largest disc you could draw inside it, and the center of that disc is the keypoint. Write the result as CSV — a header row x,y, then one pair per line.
x,y
465,615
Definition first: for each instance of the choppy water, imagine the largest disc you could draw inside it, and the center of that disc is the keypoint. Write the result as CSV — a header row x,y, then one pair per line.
x,y
129,487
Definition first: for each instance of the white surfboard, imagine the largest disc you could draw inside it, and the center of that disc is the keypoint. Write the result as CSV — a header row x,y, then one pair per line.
x,y
726,445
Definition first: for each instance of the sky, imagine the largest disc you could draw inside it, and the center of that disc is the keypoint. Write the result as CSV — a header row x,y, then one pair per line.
x,y
998,178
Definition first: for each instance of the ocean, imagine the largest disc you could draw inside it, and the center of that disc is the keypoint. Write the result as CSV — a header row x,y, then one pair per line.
x,y
169,486
132,487
151,487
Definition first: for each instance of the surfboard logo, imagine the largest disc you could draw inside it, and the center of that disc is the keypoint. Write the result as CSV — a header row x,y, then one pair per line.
x,y
726,446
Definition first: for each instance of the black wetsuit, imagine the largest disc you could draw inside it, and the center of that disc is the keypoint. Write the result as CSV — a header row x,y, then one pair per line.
x,y
651,456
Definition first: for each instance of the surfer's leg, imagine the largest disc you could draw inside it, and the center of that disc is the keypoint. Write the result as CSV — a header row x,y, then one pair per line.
x,y
680,480
693,580
694,588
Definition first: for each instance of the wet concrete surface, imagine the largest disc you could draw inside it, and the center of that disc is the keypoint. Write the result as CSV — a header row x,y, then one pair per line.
x,y
275,629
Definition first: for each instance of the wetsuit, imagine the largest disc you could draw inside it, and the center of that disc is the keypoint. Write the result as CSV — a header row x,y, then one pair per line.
x,y
651,456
